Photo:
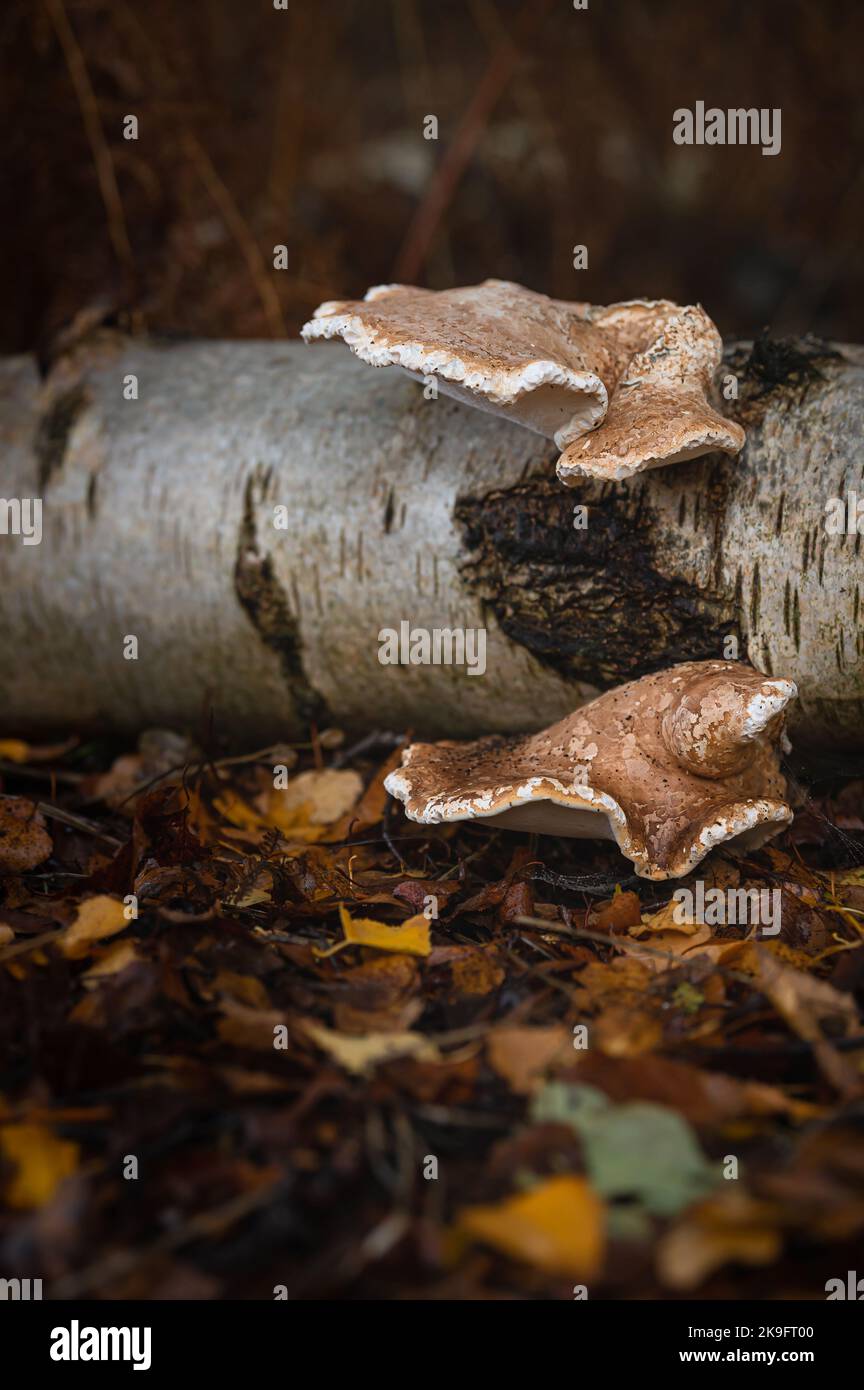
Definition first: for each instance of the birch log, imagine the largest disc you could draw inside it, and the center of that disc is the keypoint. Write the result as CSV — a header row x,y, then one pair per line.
x,y
160,524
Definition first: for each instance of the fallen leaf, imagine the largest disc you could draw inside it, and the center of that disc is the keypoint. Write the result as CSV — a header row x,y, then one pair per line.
x,y
380,982
115,958
254,1028
96,918
622,978
245,989
231,806
805,1002
14,750
395,1019
624,1031
622,911
702,1097
24,838
42,1160
637,1150
522,1055
729,1228
558,1227
678,942
416,891
671,917
370,809
379,996
473,970
409,938
361,1055
313,801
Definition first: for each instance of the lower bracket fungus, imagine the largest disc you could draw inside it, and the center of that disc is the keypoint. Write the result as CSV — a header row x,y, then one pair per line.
x,y
619,389
668,766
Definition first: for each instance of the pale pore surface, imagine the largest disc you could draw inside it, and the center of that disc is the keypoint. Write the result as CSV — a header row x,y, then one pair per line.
x,y
625,765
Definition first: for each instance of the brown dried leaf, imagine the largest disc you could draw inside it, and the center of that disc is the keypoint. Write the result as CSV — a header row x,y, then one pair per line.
x,y
42,1161
730,1227
362,1055
524,1055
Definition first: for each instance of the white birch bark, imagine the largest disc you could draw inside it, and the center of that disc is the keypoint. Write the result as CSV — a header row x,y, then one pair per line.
x,y
158,523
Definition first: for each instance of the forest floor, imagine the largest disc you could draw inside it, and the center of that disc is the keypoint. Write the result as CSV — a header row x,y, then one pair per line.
x,y
276,1041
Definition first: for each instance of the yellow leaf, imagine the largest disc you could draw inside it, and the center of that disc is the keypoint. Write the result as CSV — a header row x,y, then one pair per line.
x,y
410,938
42,1161
312,801
115,958
234,809
14,750
557,1227
361,1055
97,918
672,917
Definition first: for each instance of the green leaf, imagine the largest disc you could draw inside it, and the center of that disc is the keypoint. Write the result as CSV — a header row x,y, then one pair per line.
x,y
637,1150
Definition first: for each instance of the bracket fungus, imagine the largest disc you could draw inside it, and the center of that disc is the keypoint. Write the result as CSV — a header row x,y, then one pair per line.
x,y
619,389
668,766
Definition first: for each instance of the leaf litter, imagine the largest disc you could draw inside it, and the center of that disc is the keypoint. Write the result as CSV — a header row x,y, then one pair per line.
x,y
331,1050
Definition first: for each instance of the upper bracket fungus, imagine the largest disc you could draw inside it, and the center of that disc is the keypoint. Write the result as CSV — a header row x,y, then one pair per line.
x,y
619,389
668,766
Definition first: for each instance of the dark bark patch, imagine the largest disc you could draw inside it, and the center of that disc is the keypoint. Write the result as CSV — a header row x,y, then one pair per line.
x,y
597,604
388,513
266,605
53,430
774,369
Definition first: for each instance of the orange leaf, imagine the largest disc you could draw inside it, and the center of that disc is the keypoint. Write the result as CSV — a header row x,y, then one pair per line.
x,y
557,1227
42,1161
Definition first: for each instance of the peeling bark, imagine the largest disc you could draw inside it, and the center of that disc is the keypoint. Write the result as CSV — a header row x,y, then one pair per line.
x,y
158,522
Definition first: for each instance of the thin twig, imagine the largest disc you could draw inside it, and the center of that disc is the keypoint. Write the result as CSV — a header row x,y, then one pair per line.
x,y
457,156
236,224
88,827
105,172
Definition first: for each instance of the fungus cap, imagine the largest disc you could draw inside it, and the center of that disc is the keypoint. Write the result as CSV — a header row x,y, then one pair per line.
x,y
618,389
668,766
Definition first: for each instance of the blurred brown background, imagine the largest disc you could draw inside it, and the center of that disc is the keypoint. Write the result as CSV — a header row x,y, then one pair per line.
x,y
260,126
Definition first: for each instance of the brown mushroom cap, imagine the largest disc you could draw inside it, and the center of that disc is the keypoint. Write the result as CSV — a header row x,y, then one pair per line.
x,y
636,374
496,345
660,411
669,766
